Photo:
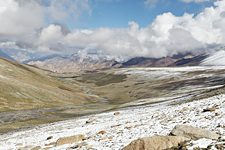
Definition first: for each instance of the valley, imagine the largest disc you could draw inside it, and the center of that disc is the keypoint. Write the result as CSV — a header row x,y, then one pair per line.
x,y
30,96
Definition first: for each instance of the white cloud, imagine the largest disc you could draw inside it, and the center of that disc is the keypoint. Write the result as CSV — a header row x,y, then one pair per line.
x,y
21,21
26,16
16,19
167,35
51,34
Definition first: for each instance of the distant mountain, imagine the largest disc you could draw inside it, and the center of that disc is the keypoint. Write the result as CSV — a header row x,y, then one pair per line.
x,y
148,62
75,63
176,60
16,54
191,61
25,55
92,61
43,58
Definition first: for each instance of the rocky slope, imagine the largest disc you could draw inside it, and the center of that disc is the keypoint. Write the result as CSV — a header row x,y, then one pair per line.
x,y
115,130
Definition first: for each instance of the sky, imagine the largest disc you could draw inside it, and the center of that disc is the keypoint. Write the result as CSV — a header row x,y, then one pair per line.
x,y
131,28
117,13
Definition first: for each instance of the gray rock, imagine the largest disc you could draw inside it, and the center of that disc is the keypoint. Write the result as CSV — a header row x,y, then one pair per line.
x,y
193,132
156,143
70,139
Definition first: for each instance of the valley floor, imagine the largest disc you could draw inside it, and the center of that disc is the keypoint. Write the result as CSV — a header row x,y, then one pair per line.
x,y
114,130
31,97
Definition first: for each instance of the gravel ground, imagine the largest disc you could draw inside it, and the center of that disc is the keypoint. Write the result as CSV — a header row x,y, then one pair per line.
x,y
114,130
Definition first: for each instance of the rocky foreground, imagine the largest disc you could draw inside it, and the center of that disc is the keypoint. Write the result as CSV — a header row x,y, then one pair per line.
x,y
194,125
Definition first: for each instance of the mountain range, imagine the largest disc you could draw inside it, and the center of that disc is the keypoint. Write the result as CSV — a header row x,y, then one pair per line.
x,y
91,62
80,62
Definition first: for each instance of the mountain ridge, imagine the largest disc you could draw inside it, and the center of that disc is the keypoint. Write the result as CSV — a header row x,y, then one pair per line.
x,y
92,62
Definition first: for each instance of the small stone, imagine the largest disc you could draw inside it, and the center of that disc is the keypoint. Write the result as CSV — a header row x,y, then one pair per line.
x,y
74,147
51,144
220,146
196,148
128,127
113,126
101,132
49,138
218,126
90,120
209,147
83,144
209,109
116,113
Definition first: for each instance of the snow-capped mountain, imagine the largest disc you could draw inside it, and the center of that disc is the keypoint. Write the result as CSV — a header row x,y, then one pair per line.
x,y
215,59
83,61
92,60
76,62
21,55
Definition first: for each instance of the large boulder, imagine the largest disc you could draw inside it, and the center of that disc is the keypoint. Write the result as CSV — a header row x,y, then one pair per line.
x,y
70,139
156,143
193,132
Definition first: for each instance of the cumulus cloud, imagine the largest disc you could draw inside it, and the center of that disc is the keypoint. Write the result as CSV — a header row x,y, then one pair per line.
x,y
19,19
165,36
51,34
28,23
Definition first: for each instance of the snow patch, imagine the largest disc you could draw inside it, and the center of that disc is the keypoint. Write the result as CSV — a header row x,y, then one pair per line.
x,y
217,59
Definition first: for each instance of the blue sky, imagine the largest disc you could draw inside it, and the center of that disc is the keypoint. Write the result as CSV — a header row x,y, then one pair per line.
x,y
117,13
